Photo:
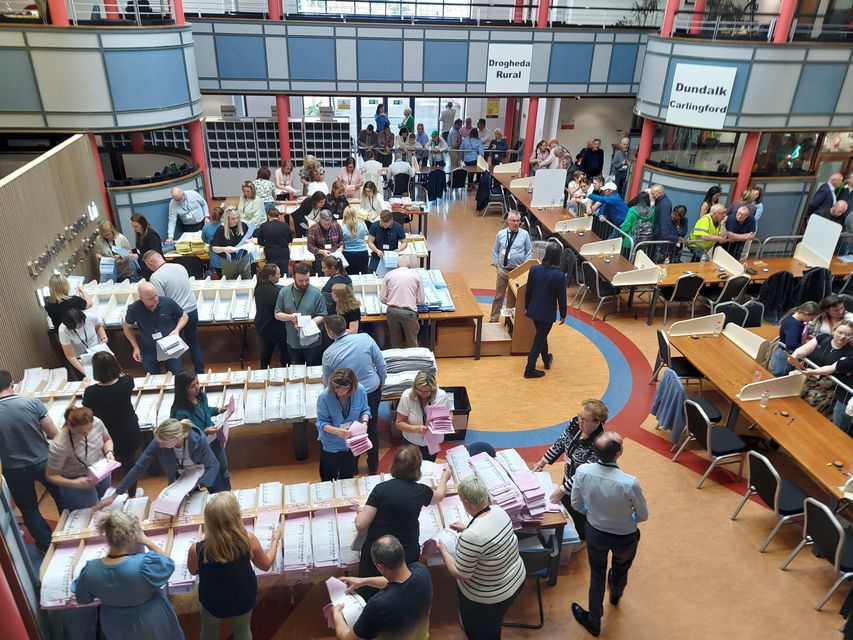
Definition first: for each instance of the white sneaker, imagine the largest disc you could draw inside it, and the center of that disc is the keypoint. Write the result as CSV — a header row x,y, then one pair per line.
x,y
139,492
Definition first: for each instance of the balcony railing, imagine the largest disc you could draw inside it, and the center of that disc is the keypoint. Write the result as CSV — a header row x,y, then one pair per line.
x,y
752,26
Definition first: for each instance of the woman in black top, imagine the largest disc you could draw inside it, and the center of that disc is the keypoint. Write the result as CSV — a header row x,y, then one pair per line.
x,y
60,300
337,201
111,399
147,239
334,270
826,351
227,586
275,237
225,241
347,306
310,207
393,507
271,332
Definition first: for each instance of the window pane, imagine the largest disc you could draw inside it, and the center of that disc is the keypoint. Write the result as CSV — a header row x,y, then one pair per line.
x,y
694,150
786,153
426,113
312,104
838,142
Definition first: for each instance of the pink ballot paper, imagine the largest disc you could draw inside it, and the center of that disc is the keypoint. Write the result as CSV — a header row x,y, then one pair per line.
x,y
102,468
222,433
170,498
439,419
353,604
358,442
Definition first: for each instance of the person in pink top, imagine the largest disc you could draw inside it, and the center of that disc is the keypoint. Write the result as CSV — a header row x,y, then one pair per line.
x,y
351,177
402,291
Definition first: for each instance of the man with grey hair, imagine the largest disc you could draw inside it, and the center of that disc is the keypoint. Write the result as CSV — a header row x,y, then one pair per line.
x,y
190,208
614,504
824,196
401,608
400,166
402,291
619,165
512,248
739,229
708,230
324,238
155,317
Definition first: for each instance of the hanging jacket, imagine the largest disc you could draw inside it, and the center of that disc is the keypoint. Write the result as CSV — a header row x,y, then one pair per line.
x,y
436,184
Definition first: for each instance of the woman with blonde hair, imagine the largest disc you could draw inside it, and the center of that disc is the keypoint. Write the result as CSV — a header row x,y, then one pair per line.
x,y
60,300
130,582
227,586
231,233
82,442
347,306
355,245
412,410
178,445
109,237
284,181
250,206
336,200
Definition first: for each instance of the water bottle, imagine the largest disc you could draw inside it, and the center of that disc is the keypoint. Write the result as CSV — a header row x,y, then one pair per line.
x,y
765,396
666,260
703,260
718,328
756,376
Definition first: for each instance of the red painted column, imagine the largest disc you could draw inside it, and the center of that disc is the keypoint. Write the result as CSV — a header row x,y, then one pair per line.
x,y
199,155
509,123
99,172
112,10
58,13
13,624
530,132
747,160
274,9
543,13
178,10
642,155
137,142
698,16
518,16
783,21
669,12
282,108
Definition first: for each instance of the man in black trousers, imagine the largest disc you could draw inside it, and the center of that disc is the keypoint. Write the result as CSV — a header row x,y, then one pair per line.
x,y
614,504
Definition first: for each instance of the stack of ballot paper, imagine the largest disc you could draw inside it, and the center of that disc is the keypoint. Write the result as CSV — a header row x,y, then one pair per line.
x,y
544,480
170,498
309,332
324,538
56,590
533,494
265,525
296,497
431,473
353,604
191,242
182,581
347,534
358,442
192,508
397,383
453,511
439,423
102,468
347,488
321,492
511,460
366,484
457,460
430,547
170,347
77,521
430,523
297,545
269,496
502,489
247,499
414,359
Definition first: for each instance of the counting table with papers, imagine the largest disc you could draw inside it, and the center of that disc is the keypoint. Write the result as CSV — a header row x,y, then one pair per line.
x,y
317,520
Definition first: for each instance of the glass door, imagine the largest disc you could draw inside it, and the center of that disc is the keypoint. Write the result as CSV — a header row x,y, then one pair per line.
x,y
426,113
394,109
367,111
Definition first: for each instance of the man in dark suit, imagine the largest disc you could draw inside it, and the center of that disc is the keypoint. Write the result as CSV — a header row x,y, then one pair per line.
x,y
846,192
546,290
824,196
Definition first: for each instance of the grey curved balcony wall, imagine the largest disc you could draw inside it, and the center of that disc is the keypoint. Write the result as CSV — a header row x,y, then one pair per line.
x,y
777,86
97,79
280,57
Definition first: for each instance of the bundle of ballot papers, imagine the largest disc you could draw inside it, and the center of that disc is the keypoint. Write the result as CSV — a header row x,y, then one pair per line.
x,y
170,347
439,419
535,496
191,242
397,383
102,468
170,498
181,580
308,330
353,604
359,441
414,359
297,545
502,489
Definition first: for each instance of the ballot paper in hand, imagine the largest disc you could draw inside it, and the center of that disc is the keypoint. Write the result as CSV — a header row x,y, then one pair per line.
x,y
102,468
170,498
359,441
448,536
222,433
353,604
170,347
308,330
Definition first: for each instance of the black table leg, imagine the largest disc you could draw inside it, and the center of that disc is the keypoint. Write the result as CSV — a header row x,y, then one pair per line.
x,y
652,304
300,440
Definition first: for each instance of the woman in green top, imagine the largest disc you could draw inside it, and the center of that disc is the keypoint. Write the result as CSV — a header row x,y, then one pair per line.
x,y
191,404
640,222
408,122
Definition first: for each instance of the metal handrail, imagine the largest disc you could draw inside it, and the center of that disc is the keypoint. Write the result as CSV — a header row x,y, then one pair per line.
x,y
603,228
754,26
649,247
119,12
789,245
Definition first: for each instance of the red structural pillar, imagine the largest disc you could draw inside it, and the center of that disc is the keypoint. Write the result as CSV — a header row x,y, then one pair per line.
x,y
530,132
274,9
784,20
543,13
112,10
199,155
13,624
518,16
58,13
669,12
282,108
698,16
509,122
137,142
178,9
642,156
747,160
99,172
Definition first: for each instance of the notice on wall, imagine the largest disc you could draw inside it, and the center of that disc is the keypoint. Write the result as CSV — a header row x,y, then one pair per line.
x,y
508,68
700,95
493,107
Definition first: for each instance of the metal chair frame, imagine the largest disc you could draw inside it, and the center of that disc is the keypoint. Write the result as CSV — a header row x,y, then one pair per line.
x,y
548,557
729,458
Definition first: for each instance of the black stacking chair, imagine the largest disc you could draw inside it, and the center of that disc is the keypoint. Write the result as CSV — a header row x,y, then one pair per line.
x,y
681,365
459,178
539,563
735,313
830,541
780,494
754,313
603,290
732,289
723,445
401,185
686,289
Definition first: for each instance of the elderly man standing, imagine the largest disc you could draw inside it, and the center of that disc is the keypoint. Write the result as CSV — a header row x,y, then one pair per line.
x,y
614,504
190,207
359,352
172,281
402,291
297,299
824,196
156,317
739,228
707,231
512,248
619,165
454,141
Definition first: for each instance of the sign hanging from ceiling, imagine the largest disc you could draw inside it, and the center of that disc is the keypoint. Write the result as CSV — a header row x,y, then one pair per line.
x,y
700,95
508,68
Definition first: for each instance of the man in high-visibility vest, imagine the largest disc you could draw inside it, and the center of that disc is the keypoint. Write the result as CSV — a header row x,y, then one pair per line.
x,y
708,231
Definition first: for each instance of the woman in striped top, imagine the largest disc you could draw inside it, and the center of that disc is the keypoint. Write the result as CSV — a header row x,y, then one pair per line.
x,y
488,569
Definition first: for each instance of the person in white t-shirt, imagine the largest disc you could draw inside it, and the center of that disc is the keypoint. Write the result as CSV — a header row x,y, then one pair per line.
x,y
411,410
370,165
78,333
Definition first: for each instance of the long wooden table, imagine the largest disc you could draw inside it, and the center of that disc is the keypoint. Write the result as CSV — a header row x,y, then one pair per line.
x,y
808,437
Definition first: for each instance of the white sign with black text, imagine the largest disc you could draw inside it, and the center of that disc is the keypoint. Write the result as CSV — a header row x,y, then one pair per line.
x,y
508,68
700,95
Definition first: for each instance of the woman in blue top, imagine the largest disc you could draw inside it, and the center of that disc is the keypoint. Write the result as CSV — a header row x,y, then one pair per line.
x,y
355,245
191,404
343,402
129,583
177,445
471,148
381,119
207,233
546,290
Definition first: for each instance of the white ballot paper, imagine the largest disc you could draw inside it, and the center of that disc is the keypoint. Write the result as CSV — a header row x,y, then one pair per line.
x,y
353,604
170,498
170,347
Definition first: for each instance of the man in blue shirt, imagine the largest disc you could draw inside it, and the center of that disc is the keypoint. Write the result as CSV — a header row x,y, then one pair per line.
x,y
386,234
512,248
613,207
359,352
471,148
422,139
190,207
740,227
156,317
613,502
